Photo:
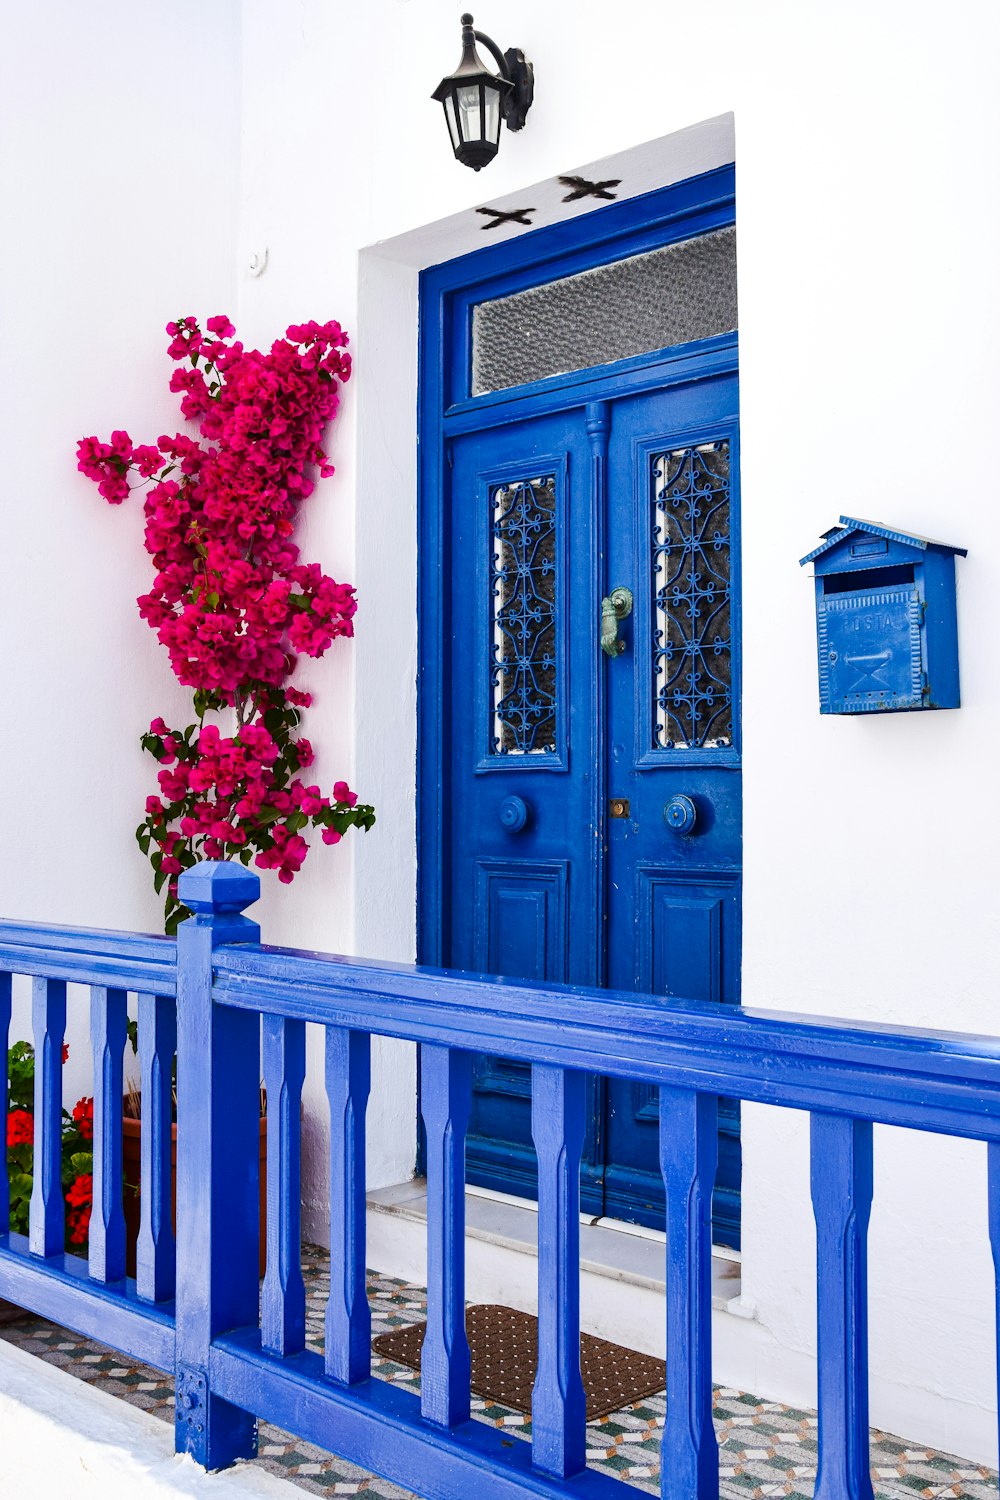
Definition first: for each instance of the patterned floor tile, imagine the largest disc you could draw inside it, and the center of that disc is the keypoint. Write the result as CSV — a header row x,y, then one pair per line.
x,y
764,1449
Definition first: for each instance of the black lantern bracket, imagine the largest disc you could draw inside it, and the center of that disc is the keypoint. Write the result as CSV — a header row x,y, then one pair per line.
x,y
518,72
476,100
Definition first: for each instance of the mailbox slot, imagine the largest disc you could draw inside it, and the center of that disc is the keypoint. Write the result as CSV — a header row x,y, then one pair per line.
x,y
847,583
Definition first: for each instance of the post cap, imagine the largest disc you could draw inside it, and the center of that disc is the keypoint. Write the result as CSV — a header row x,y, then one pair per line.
x,y
218,885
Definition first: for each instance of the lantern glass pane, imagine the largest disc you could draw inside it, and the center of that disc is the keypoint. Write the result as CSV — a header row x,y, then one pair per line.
x,y
469,121
492,102
452,118
651,301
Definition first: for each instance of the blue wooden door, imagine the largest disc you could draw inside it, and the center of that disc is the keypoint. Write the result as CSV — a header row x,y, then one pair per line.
x,y
523,870
671,747
560,862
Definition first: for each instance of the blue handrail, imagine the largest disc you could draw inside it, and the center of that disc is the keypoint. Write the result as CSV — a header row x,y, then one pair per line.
x,y
238,1351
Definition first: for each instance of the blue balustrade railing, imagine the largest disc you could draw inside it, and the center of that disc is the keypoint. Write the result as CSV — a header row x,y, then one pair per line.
x,y
237,1348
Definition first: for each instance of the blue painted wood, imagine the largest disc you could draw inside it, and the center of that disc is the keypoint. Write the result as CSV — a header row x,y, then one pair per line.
x,y
621,229
993,1198
84,955
924,1080
108,1020
445,1101
674,921
218,1152
689,1137
47,1213
348,1318
283,1299
568,855
381,1427
523,905
647,222
156,1251
61,1289
5,1007
558,1402
847,1075
841,1178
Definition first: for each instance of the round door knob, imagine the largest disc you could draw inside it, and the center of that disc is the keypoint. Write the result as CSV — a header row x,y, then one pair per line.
x,y
680,814
513,814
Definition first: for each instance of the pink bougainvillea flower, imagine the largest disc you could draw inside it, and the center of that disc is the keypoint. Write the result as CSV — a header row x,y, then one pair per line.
x,y
231,601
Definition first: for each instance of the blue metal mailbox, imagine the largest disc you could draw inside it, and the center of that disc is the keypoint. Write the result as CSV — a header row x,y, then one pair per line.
x,y
886,622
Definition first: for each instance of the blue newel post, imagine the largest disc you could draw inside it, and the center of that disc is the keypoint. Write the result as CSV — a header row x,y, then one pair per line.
x,y
218,1146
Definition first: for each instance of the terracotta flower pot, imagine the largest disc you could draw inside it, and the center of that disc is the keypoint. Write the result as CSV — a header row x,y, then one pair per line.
x,y
131,1134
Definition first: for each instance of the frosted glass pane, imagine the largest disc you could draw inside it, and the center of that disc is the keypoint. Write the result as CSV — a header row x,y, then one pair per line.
x,y
651,301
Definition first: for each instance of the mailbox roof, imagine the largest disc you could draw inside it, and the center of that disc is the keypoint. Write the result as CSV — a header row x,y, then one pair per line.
x,y
850,524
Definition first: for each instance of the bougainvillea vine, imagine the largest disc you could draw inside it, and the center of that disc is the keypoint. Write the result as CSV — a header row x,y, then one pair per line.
x,y
231,601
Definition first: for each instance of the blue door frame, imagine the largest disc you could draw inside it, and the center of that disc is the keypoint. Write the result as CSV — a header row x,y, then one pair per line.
x,y
448,419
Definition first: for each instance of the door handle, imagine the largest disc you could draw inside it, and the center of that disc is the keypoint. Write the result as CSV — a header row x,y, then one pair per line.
x,y
680,814
615,606
514,814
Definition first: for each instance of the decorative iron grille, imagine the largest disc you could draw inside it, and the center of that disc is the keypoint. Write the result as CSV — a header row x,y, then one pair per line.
x,y
523,649
692,582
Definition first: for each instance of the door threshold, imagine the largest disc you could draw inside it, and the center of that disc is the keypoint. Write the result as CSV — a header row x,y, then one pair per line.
x,y
598,1221
609,1248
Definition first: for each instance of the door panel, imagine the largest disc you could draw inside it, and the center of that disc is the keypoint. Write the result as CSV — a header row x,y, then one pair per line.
x,y
672,748
523,894
546,733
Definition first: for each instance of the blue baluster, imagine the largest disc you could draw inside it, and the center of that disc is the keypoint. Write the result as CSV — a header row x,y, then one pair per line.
x,y
4,1043
841,1177
283,1300
558,1402
218,1153
689,1148
47,1214
156,1252
108,1020
348,1318
993,1178
445,1103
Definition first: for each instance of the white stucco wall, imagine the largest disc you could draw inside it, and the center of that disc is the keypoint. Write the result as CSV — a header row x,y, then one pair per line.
x,y
867,149
119,184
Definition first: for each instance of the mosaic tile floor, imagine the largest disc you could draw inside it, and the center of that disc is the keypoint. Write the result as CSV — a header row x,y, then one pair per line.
x,y
765,1449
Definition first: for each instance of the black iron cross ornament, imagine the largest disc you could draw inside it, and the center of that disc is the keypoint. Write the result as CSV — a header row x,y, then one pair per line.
x,y
581,188
500,216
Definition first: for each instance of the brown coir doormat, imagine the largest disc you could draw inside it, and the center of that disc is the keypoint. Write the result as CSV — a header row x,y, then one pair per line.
x,y
504,1347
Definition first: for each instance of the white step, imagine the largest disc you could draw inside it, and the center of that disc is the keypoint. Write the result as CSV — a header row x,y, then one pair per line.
x,y
622,1266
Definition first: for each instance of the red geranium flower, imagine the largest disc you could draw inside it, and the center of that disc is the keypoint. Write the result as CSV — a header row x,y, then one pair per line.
x,y
83,1116
79,1201
20,1128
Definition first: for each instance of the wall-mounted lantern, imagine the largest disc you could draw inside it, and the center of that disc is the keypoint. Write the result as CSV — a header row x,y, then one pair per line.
x,y
476,100
886,625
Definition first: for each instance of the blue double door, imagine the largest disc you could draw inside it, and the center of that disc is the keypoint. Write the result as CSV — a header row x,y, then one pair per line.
x,y
593,798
